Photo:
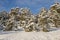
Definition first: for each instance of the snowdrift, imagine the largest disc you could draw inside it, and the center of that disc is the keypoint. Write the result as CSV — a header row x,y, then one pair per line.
x,y
21,35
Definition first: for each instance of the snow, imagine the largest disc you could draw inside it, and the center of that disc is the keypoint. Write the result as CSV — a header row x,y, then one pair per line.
x,y
21,35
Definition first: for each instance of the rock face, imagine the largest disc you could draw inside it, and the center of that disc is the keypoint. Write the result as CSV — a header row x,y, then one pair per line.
x,y
22,18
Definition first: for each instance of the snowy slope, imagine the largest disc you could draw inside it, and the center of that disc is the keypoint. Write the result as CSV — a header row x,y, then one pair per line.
x,y
54,35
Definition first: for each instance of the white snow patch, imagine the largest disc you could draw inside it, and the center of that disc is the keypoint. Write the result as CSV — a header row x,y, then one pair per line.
x,y
21,35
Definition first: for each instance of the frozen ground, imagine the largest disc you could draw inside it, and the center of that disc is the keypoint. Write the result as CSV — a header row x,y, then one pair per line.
x,y
21,35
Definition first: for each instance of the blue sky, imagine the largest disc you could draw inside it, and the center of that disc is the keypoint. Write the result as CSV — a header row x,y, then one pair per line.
x,y
34,5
